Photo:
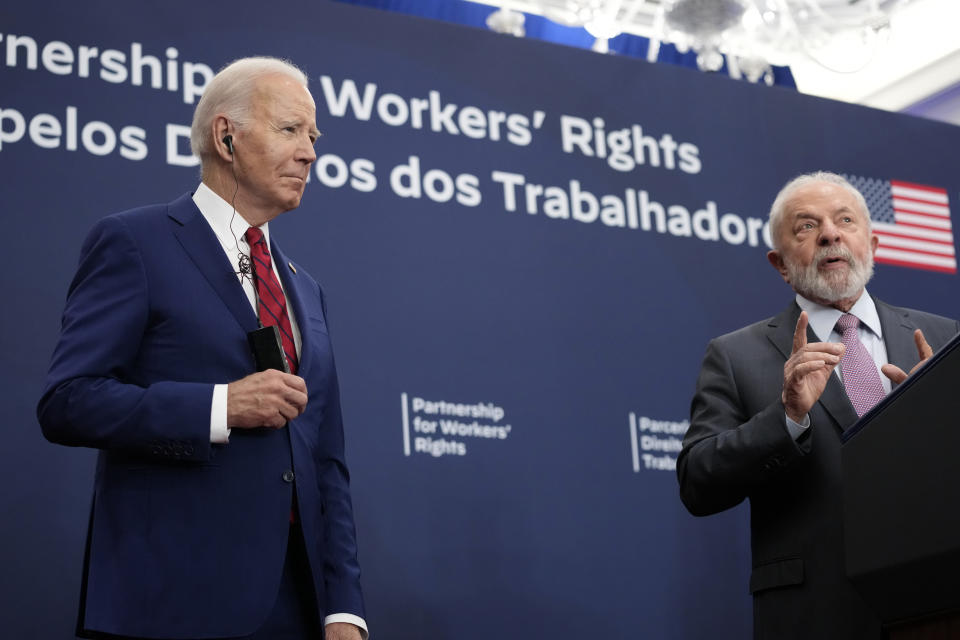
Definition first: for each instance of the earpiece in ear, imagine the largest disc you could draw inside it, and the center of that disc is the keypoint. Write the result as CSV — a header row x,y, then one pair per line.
x,y
228,140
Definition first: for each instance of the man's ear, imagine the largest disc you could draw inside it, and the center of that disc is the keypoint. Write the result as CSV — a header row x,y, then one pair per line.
x,y
775,259
223,131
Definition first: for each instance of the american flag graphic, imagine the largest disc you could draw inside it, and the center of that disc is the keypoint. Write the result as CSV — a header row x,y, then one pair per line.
x,y
912,222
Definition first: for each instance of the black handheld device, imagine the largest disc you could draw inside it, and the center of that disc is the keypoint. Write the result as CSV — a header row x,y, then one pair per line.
x,y
267,349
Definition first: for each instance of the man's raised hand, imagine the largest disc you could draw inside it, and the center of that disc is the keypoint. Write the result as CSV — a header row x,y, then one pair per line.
x,y
806,372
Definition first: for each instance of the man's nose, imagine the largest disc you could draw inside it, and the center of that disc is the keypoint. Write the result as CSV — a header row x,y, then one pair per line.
x,y
829,233
305,152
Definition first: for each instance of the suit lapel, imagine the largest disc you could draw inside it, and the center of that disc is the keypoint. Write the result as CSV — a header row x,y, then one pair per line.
x,y
897,336
198,240
834,397
782,327
293,284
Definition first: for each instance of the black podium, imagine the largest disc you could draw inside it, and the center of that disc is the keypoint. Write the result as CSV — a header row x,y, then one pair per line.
x,y
901,490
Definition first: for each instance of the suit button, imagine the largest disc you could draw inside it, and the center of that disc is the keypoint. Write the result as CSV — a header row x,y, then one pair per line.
x,y
288,476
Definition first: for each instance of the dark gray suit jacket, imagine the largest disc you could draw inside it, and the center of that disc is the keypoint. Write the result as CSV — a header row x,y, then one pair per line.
x,y
738,447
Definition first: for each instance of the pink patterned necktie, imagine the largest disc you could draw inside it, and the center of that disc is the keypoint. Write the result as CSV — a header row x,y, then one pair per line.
x,y
860,375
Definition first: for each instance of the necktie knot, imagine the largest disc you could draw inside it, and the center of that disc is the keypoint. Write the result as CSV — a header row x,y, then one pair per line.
x,y
254,236
847,322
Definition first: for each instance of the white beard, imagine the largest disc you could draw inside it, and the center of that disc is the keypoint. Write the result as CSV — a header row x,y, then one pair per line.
x,y
830,286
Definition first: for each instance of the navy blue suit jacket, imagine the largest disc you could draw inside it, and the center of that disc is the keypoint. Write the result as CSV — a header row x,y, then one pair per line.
x,y
187,538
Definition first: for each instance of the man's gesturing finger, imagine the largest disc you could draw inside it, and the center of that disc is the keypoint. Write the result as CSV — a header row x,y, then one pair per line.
x,y
924,350
800,334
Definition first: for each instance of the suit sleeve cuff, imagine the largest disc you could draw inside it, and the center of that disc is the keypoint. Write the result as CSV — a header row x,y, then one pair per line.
x,y
219,433
797,429
357,621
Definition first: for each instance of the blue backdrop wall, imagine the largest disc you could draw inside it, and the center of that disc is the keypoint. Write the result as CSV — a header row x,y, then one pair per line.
x,y
525,249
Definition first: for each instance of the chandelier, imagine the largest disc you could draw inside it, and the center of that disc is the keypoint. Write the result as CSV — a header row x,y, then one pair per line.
x,y
751,35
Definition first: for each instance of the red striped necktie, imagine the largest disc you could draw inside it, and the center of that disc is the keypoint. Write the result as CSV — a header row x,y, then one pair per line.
x,y
272,305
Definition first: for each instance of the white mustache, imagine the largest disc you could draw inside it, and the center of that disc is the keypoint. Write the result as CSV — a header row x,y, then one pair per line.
x,y
834,251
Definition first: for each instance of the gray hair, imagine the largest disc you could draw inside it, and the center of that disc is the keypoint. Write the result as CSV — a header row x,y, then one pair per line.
x,y
779,203
230,93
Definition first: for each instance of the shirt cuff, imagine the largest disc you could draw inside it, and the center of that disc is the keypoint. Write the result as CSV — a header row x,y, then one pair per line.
x,y
797,429
219,432
357,621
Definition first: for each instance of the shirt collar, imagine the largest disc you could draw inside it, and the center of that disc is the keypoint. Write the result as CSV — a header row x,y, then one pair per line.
x,y
824,319
227,223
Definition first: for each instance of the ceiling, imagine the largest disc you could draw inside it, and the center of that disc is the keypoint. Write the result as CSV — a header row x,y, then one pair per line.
x,y
917,69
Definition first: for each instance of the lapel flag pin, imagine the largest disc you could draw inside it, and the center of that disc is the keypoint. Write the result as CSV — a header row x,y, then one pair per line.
x,y
292,268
